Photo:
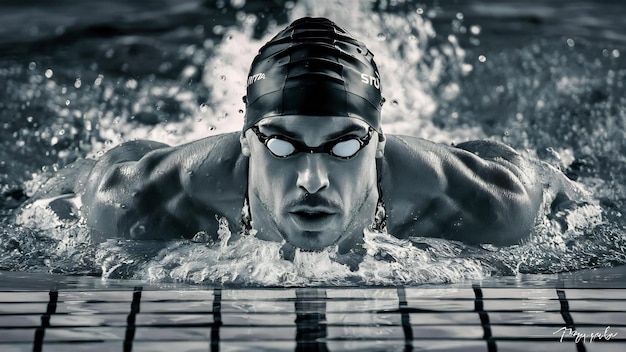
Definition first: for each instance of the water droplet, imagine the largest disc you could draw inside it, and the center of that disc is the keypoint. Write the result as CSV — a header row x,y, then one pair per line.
x,y
420,11
32,66
77,83
240,111
98,80
223,78
131,84
61,132
381,36
67,102
482,58
570,42
615,53
49,73
459,16
475,29
199,29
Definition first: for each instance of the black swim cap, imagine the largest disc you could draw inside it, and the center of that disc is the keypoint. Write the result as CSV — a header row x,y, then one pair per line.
x,y
313,67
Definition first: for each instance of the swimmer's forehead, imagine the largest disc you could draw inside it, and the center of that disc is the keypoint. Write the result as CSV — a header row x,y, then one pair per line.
x,y
301,126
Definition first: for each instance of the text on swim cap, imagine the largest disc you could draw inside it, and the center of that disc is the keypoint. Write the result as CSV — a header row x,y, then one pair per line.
x,y
371,80
255,78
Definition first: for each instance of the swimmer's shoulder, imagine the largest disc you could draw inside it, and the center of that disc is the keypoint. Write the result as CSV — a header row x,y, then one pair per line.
x,y
205,169
484,188
180,188
400,149
439,165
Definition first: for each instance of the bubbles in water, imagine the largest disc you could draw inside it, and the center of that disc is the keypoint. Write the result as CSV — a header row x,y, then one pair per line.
x,y
482,58
48,73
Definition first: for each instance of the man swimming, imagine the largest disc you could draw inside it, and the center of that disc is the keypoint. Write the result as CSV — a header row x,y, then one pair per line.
x,y
312,167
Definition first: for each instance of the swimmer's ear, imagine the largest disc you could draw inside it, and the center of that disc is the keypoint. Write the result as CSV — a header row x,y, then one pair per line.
x,y
380,147
245,146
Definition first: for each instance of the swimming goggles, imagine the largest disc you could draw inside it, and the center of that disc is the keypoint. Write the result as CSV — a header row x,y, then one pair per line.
x,y
344,147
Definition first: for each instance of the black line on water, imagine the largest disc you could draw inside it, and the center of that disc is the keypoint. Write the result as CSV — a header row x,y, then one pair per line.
x,y
479,308
311,320
130,321
567,318
406,319
40,332
217,320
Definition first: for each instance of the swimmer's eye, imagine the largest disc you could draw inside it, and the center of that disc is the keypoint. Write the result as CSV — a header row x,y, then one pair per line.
x,y
346,149
280,148
342,148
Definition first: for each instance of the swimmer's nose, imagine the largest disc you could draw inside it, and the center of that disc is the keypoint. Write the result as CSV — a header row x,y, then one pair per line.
x,y
312,174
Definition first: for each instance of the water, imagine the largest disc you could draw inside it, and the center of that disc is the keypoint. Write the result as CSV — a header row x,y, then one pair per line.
x,y
78,79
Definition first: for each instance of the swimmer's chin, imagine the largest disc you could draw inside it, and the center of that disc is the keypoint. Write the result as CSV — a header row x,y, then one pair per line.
x,y
311,241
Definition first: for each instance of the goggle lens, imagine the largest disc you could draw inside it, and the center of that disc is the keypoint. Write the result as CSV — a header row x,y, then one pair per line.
x,y
342,148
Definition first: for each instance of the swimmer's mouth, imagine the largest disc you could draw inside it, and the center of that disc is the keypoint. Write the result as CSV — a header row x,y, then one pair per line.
x,y
312,219
311,214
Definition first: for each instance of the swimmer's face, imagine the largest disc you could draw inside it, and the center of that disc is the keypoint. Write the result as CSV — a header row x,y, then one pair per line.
x,y
312,200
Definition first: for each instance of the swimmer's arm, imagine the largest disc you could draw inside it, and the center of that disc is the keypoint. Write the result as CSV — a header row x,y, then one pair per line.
x,y
151,191
126,192
478,192
505,194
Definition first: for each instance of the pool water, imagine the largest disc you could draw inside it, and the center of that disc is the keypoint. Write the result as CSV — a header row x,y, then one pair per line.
x,y
79,78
